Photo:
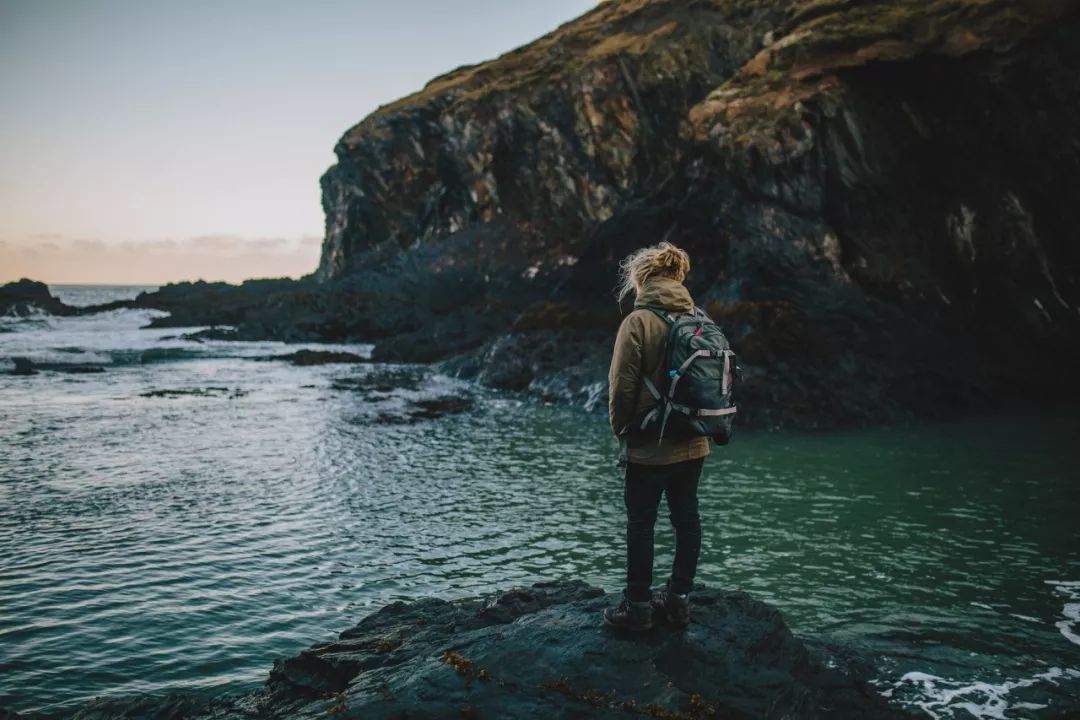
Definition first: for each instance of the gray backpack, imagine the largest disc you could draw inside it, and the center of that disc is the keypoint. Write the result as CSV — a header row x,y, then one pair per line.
x,y
697,398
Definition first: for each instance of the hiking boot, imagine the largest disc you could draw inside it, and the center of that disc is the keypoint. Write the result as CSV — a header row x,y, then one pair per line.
x,y
672,605
633,616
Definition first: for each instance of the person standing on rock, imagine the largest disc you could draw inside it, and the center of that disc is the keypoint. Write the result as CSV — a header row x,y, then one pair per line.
x,y
670,466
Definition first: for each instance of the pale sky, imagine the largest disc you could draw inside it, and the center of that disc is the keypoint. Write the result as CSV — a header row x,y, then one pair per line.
x,y
145,141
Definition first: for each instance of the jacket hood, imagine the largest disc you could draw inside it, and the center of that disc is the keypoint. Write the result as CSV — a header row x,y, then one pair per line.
x,y
664,292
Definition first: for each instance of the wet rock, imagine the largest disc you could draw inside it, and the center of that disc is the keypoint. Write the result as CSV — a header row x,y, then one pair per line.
x,y
559,366
26,366
441,406
385,379
23,366
209,391
413,411
23,297
403,395
212,333
389,418
542,652
242,309
319,357
508,364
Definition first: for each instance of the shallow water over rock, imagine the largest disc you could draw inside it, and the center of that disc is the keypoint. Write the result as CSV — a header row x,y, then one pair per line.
x,y
176,524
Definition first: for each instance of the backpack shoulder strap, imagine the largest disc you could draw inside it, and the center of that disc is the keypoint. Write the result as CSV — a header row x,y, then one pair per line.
x,y
661,312
670,320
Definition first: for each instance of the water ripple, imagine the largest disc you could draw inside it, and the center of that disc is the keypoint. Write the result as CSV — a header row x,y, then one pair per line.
x,y
150,544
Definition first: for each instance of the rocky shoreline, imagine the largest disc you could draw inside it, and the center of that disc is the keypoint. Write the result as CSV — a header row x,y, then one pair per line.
x,y
879,200
542,652
879,204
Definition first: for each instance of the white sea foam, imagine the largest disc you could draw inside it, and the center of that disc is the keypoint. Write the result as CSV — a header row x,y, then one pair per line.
x,y
36,317
1027,618
941,698
121,337
596,394
1070,626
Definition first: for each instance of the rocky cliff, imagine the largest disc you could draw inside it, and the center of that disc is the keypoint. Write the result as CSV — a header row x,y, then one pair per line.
x,y
542,652
879,199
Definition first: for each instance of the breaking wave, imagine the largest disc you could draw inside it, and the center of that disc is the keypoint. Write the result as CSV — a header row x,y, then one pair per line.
x,y
941,698
1070,626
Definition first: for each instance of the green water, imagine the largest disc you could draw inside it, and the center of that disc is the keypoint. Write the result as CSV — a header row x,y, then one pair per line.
x,y
948,551
153,542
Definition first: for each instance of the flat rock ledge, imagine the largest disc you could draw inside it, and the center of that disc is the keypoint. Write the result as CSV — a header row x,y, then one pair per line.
x,y
542,652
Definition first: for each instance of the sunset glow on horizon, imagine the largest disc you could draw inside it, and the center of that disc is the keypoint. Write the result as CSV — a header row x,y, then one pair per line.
x,y
151,142
58,260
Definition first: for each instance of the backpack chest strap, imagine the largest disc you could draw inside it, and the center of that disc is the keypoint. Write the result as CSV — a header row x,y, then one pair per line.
x,y
702,412
678,373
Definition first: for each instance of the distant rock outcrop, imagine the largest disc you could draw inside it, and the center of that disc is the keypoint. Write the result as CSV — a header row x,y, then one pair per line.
x,y
543,653
24,297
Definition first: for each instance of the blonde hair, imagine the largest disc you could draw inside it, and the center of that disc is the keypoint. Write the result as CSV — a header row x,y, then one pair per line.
x,y
664,259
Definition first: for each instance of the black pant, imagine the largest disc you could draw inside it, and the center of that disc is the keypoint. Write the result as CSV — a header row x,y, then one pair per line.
x,y
644,484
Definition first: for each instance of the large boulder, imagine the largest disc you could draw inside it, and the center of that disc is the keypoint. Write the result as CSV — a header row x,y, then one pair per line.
x,y
542,652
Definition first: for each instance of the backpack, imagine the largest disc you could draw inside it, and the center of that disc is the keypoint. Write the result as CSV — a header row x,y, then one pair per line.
x,y
696,398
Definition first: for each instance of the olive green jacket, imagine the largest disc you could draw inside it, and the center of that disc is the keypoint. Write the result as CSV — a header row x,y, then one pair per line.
x,y
639,352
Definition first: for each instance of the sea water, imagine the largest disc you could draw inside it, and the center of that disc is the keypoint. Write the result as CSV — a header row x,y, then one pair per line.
x,y
184,517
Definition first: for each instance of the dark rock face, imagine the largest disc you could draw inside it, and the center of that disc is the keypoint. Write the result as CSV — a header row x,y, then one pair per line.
x,y
304,358
24,296
26,366
279,309
542,652
23,366
878,200
553,138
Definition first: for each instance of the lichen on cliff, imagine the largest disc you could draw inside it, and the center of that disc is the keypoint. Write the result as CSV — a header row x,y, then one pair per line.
x,y
803,60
